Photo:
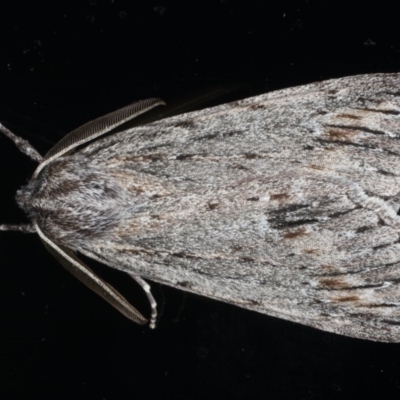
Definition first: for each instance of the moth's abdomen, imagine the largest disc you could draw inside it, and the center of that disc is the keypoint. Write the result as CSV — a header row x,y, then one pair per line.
x,y
71,201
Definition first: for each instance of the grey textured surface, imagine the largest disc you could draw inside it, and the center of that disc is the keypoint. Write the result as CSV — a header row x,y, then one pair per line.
x,y
284,203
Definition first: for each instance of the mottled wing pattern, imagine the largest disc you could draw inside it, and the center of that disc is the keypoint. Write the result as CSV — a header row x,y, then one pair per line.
x,y
285,203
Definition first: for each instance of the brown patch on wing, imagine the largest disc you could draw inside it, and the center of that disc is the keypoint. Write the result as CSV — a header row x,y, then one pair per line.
x,y
344,299
310,251
338,133
279,196
336,283
350,116
256,106
315,166
295,233
328,269
212,205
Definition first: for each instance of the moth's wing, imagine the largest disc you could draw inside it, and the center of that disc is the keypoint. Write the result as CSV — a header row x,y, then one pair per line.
x,y
96,128
285,203
82,272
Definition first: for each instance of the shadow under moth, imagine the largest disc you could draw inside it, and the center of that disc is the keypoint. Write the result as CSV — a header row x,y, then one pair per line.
x,y
285,203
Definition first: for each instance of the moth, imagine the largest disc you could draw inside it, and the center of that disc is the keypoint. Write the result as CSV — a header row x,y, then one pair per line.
x,y
286,203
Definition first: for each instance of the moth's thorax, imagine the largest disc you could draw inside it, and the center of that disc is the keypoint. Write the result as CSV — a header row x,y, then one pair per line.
x,y
72,201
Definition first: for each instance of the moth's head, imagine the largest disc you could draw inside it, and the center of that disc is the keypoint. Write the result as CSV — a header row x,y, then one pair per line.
x,y
26,194
70,200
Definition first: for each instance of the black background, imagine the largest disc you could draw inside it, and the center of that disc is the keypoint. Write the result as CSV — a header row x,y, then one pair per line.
x,y
65,63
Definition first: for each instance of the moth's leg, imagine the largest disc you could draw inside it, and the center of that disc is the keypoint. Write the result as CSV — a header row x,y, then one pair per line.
x,y
81,271
23,145
25,228
153,304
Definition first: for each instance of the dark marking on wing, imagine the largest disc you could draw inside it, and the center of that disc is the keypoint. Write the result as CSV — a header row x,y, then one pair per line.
x,y
317,167
338,133
184,284
356,128
345,299
386,173
325,142
185,124
341,213
295,233
337,283
212,206
363,229
349,116
341,284
291,208
288,224
389,112
247,259
213,135
390,322
382,305
394,93
252,156
332,91
279,196
183,157
310,251
256,107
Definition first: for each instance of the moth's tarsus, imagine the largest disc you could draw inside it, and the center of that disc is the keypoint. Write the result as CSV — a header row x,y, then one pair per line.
x,y
153,304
